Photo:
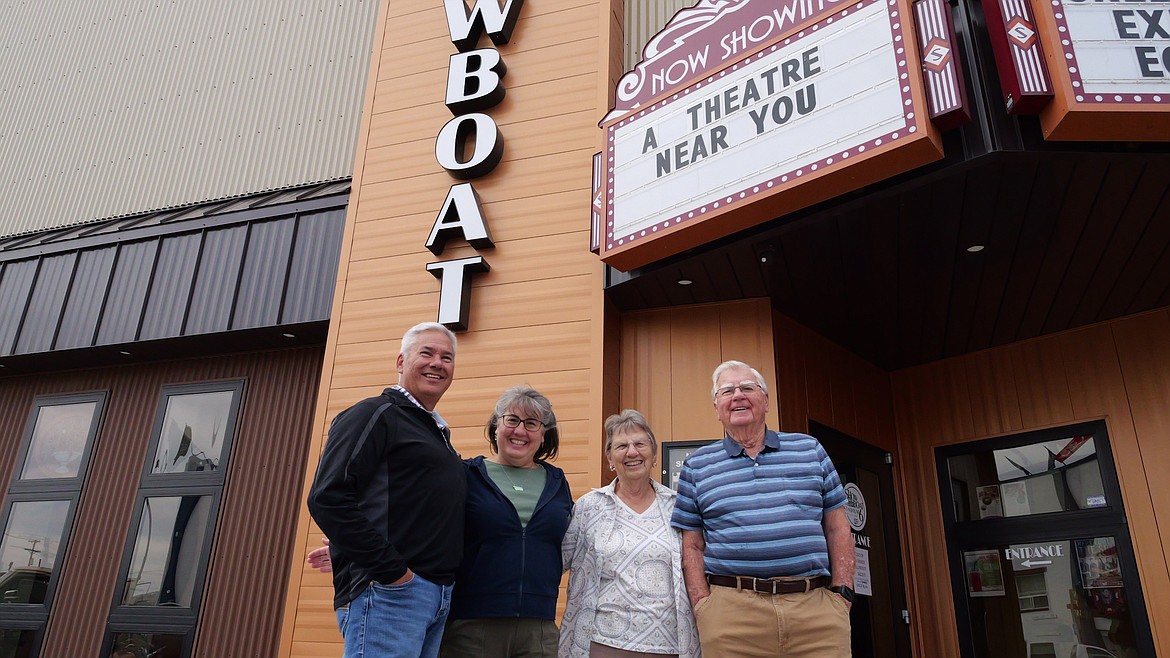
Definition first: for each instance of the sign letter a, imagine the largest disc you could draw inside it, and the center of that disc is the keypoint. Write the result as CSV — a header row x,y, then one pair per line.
x,y
461,213
466,26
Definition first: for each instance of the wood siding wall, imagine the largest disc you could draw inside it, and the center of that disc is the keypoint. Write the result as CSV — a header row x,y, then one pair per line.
x,y
822,381
1119,371
538,316
245,584
667,357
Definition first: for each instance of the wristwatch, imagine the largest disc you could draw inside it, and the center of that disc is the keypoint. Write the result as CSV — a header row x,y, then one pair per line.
x,y
845,591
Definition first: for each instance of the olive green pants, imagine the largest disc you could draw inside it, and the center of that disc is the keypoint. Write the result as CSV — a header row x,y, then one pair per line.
x,y
503,637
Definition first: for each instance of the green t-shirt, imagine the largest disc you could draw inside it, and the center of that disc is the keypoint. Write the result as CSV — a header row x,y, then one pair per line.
x,y
522,486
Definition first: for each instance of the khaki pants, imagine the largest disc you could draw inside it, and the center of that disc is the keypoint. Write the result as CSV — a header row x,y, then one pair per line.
x,y
742,624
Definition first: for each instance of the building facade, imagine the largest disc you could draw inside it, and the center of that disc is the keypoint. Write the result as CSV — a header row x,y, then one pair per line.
x,y
965,297
175,183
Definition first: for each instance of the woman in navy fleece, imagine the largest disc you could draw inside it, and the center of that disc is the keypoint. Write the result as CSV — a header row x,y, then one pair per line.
x,y
518,507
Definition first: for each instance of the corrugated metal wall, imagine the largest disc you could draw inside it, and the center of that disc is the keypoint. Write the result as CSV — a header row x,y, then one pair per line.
x,y
644,19
217,279
245,587
126,106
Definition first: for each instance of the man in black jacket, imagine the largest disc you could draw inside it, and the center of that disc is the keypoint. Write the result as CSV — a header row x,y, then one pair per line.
x,y
389,493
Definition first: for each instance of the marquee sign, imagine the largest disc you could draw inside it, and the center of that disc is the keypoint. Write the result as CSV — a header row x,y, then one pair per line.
x,y
743,111
1110,63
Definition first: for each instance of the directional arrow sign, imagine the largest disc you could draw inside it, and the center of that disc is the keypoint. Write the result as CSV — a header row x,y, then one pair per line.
x,y
1028,564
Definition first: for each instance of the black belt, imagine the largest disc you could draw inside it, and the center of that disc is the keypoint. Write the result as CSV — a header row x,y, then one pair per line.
x,y
770,586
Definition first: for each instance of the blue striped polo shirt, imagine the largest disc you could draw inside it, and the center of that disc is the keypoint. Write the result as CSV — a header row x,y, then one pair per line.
x,y
760,517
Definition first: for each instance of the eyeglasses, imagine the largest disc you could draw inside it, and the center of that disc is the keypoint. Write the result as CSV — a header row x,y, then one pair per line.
x,y
530,424
747,388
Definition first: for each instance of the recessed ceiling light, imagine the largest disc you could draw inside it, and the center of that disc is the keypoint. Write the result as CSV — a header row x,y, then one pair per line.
x,y
123,353
288,335
975,248
685,282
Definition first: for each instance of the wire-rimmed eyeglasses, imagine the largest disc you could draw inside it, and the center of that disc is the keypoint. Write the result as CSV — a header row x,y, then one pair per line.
x,y
747,388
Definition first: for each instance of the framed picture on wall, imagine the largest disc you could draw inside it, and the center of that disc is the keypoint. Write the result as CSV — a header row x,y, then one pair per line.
x,y
674,453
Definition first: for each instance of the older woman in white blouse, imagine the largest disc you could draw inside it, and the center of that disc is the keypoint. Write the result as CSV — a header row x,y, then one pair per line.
x,y
626,591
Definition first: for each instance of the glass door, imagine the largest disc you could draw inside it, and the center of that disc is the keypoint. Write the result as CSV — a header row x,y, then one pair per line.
x,y
1040,556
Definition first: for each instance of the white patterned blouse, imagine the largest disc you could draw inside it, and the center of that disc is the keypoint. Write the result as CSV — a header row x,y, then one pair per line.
x,y
626,586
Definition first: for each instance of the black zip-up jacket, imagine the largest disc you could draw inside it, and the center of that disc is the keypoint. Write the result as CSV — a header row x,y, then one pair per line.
x,y
389,493
509,570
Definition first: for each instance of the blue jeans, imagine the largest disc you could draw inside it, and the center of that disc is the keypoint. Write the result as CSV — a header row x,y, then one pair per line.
x,y
396,621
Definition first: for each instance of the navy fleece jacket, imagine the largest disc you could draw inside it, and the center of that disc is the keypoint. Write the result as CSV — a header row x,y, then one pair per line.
x,y
509,570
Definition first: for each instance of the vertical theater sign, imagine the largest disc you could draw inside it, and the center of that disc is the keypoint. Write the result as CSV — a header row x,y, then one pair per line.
x,y
740,112
474,83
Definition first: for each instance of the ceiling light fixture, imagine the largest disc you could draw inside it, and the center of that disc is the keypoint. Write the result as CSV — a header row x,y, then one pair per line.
x,y
685,282
288,335
975,248
123,353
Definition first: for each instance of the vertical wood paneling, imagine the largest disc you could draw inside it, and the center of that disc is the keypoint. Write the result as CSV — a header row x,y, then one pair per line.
x,y
697,345
245,583
822,381
1143,348
668,355
647,348
933,628
1119,371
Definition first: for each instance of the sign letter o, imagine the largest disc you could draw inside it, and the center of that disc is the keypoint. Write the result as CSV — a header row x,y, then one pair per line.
x,y
452,142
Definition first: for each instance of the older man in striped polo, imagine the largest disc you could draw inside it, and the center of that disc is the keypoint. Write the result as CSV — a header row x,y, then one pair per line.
x,y
767,551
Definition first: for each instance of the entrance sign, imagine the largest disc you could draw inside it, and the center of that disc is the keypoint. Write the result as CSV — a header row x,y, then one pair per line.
x,y
1037,555
774,128
1110,64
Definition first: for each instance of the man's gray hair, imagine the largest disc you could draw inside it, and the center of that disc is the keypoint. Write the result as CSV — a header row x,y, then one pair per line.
x,y
410,338
730,365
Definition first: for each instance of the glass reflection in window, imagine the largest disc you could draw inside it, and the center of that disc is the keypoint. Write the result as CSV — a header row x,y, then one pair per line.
x,y
147,645
28,551
1049,476
165,561
1063,598
58,441
16,643
192,434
